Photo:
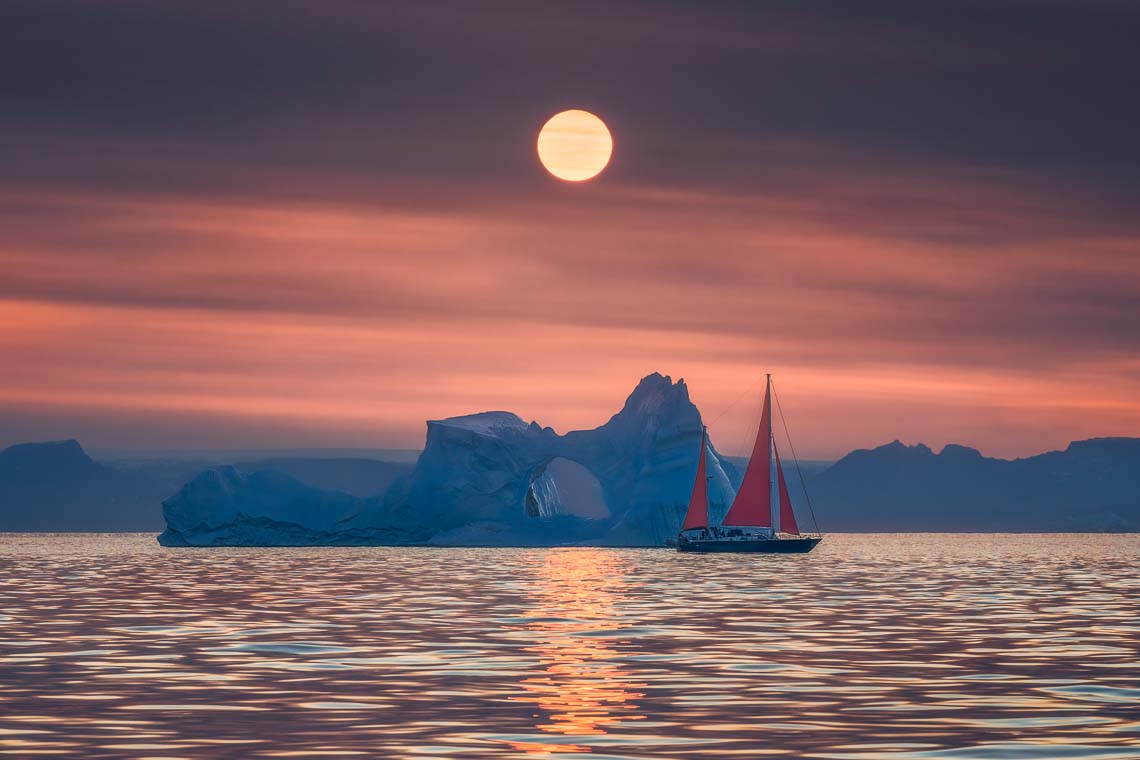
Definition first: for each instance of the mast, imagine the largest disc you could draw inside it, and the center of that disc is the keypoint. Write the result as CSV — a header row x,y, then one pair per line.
x,y
697,515
771,447
752,506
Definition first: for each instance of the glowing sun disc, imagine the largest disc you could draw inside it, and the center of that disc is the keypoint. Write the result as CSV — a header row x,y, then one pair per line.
x,y
575,145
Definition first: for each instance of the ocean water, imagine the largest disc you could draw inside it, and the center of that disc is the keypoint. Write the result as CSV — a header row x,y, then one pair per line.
x,y
873,647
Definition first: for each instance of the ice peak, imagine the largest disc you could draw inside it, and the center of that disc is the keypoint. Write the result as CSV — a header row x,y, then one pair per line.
x,y
656,391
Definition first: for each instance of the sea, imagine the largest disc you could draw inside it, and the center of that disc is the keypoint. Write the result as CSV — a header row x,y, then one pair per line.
x,y
873,647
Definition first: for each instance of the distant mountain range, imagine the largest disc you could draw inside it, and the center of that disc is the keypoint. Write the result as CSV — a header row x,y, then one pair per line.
x,y
233,456
56,486
1092,485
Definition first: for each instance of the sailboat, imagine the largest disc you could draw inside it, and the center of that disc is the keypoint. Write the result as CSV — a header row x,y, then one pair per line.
x,y
748,526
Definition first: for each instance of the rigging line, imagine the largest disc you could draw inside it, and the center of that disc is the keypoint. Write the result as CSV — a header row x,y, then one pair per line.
x,y
749,433
792,447
728,408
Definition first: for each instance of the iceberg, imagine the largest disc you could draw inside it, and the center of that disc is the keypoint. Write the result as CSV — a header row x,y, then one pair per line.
x,y
482,479
224,506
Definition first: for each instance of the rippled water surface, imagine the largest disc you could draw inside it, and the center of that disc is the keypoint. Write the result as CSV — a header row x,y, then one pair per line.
x,y
871,647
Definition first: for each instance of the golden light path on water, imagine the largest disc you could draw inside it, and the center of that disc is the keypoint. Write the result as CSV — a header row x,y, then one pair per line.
x,y
871,648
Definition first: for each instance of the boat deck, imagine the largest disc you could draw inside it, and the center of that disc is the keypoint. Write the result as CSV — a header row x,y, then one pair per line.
x,y
744,545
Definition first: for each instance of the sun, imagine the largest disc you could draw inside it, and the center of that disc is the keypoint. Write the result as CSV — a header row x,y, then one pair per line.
x,y
575,145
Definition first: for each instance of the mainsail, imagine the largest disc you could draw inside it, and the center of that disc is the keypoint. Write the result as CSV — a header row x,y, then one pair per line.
x,y
698,514
753,503
787,516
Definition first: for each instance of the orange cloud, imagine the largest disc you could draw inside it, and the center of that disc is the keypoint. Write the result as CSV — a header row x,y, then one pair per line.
x,y
950,309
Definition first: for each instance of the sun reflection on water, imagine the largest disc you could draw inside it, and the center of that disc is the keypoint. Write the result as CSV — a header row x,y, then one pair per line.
x,y
582,690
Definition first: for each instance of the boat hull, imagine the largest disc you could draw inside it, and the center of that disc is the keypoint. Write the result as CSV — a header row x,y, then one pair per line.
x,y
750,546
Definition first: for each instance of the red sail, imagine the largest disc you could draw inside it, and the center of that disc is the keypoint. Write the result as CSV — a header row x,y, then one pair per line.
x,y
787,516
698,514
753,503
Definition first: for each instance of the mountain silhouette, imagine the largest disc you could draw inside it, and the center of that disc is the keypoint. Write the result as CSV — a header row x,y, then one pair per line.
x,y
55,486
1092,485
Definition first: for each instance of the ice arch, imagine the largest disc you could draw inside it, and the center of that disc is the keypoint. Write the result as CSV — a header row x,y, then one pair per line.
x,y
564,487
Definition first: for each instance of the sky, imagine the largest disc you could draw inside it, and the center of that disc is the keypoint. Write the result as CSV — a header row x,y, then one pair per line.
x,y
291,224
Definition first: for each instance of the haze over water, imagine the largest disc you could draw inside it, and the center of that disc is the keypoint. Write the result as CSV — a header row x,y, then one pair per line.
x,y
873,647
